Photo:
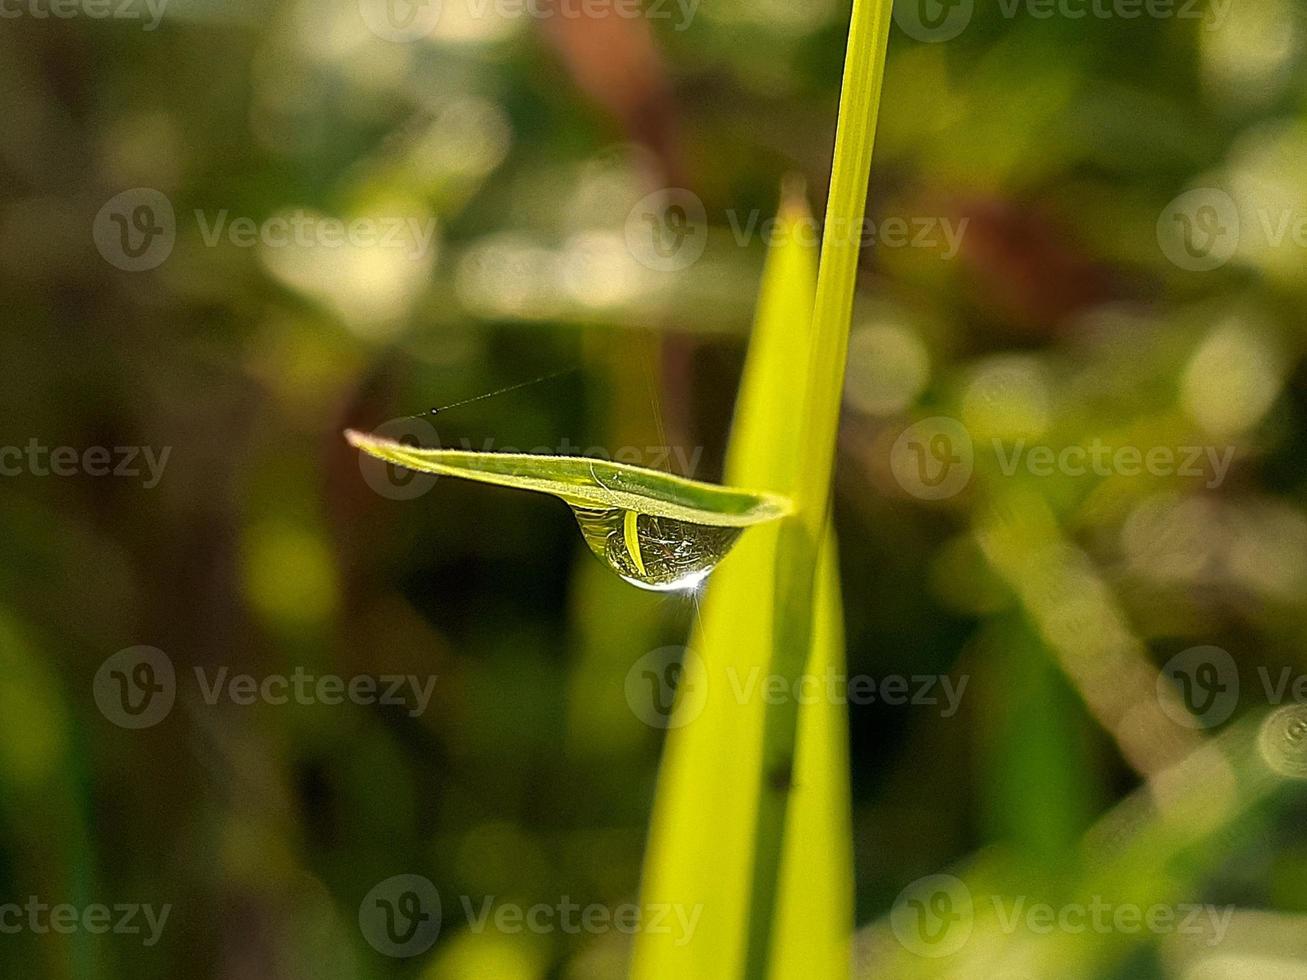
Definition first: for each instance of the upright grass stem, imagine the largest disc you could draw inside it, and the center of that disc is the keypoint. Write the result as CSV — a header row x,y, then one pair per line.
x,y
801,534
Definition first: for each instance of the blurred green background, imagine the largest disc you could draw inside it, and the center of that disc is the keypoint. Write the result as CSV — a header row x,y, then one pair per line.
x,y
512,155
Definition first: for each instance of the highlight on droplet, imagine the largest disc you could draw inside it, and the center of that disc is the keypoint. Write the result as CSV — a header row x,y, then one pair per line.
x,y
655,553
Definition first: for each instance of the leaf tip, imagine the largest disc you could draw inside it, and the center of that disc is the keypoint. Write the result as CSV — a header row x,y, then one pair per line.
x,y
356,438
794,196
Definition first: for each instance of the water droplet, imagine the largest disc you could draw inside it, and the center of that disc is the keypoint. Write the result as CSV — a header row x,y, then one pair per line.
x,y
656,553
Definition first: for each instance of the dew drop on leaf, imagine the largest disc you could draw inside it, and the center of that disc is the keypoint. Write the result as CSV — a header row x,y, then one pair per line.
x,y
656,553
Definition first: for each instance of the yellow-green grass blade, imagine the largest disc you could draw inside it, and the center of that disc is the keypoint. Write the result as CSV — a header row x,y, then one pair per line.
x,y
586,482
864,70
701,838
800,536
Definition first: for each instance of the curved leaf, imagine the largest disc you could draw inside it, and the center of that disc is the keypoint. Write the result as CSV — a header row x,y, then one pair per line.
x,y
588,483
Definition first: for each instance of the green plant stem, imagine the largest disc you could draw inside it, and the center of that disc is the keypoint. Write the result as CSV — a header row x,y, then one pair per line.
x,y
801,534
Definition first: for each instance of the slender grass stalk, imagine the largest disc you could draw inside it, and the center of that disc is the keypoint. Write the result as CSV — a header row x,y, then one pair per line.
x,y
801,534
700,848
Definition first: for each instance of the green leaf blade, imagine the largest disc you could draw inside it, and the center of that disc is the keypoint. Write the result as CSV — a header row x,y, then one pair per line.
x,y
702,831
585,482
